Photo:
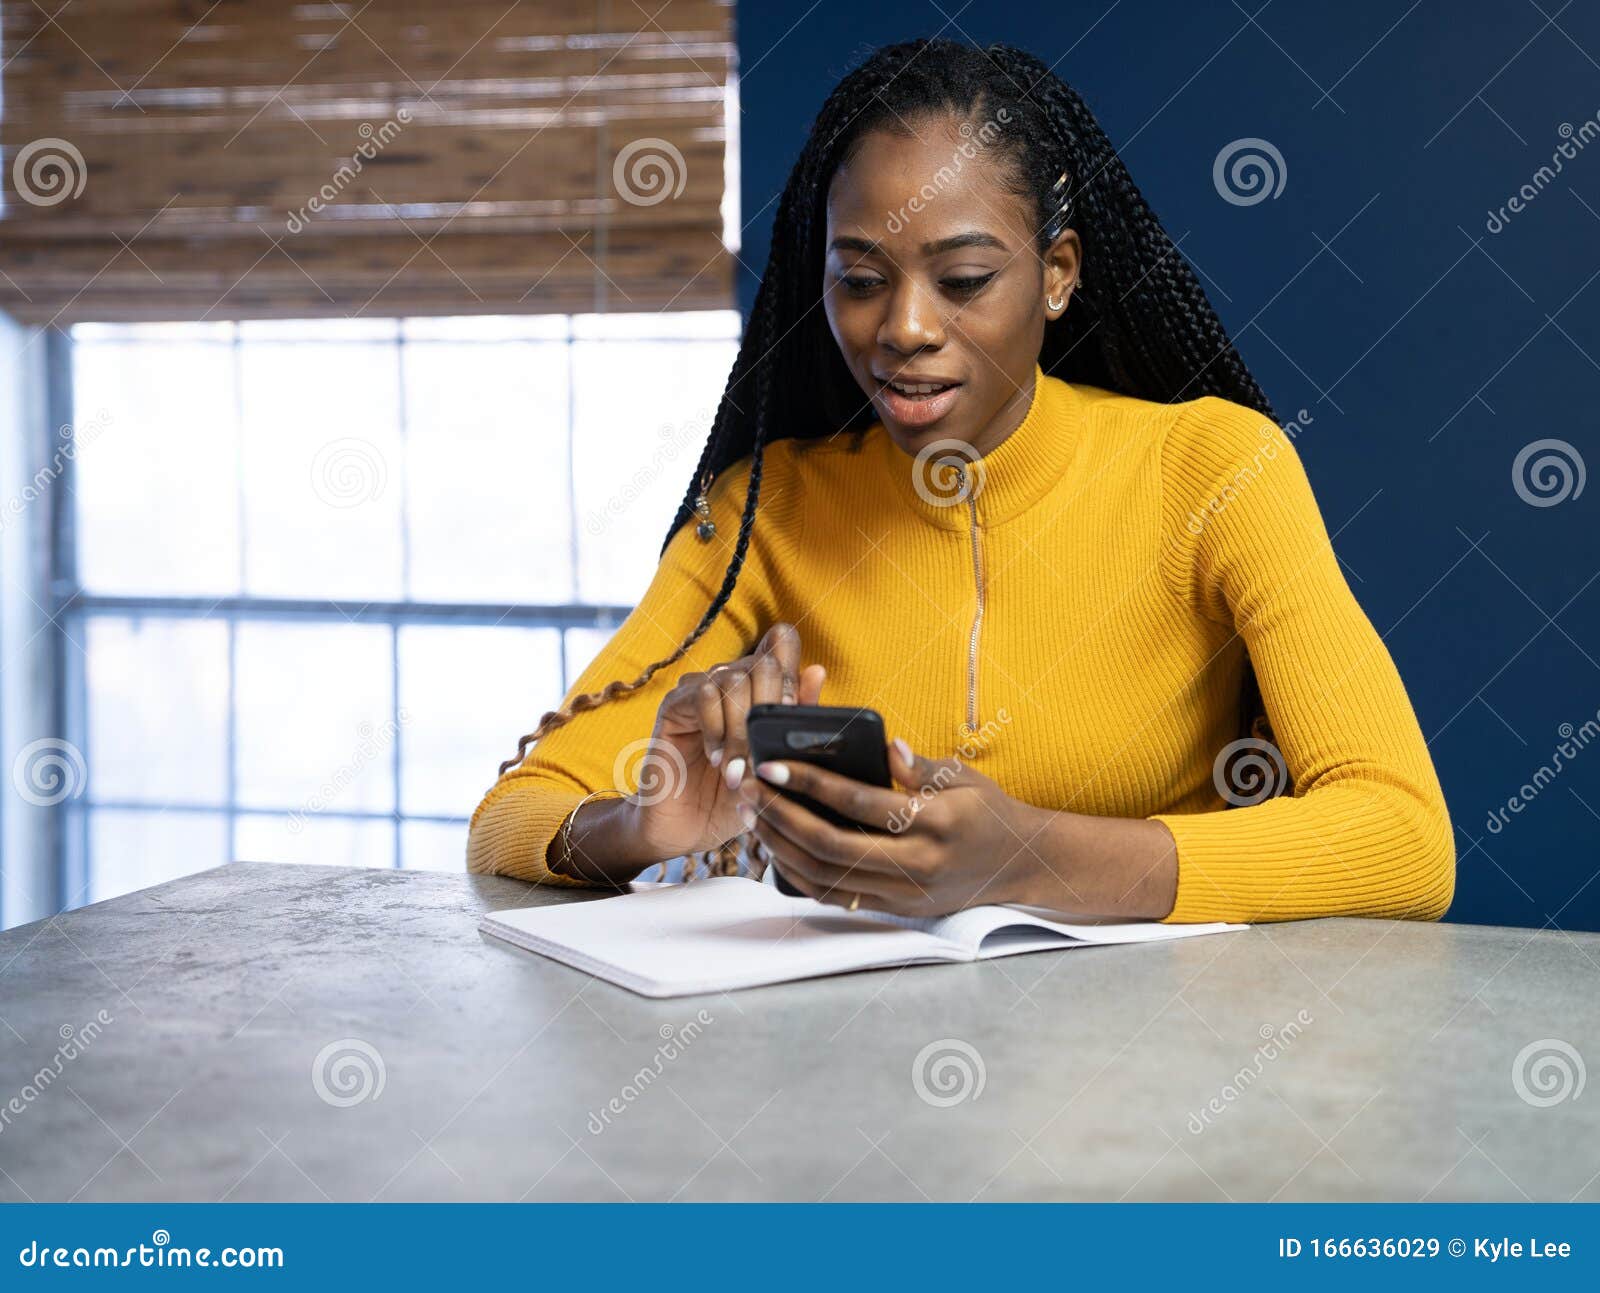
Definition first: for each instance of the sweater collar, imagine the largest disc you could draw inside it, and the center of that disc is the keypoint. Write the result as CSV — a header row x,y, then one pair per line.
x,y
1005,481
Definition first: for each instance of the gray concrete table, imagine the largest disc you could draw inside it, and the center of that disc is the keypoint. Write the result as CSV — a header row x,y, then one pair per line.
x,y
281,1032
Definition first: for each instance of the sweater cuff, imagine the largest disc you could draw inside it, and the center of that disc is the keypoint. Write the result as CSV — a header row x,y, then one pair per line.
x,y
513,828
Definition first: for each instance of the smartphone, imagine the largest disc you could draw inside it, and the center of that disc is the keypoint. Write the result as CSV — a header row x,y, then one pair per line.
x,y
840,738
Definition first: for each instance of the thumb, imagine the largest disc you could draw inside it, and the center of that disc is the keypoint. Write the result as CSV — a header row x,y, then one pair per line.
x,y
913,771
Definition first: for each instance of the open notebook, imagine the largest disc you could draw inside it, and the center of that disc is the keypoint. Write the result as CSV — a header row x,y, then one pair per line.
x,y
725,932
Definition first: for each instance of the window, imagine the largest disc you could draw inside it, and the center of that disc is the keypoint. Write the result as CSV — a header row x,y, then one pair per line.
x,y
320,575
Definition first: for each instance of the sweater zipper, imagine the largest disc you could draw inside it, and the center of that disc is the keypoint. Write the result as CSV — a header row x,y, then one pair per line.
x,y
977,616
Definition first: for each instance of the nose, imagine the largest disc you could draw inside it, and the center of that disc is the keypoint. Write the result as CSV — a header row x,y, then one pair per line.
x,y
911,322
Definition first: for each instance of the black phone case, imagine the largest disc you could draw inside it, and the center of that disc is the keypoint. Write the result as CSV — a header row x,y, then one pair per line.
x,y
840,738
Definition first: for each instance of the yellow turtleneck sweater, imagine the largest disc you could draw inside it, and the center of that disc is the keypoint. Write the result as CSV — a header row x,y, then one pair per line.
x,y
1118,557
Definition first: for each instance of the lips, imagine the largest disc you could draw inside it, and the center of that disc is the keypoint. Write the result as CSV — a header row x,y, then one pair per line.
x,y
921,409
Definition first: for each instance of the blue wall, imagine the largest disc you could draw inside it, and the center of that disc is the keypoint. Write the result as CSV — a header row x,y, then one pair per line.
x,y
1428,349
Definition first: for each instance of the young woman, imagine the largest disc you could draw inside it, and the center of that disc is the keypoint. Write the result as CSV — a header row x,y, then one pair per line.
x,y
988,463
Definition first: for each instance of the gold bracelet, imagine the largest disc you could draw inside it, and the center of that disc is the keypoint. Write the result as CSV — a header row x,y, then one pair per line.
x,y
565,833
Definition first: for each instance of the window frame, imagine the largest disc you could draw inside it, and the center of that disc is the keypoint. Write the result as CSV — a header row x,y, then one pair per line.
x,y
71,607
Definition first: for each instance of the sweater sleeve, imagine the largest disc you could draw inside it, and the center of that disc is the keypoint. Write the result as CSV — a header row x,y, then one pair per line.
x,y
1365,830
512,827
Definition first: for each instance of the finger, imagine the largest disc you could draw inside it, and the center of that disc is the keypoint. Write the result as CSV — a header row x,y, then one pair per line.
x,y
707,702
870,805
782,643
819,879
735,706
838,846
811,680
914,772
767,686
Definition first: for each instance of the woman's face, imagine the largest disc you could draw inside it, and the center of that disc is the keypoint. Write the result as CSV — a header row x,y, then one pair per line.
x,y
933,276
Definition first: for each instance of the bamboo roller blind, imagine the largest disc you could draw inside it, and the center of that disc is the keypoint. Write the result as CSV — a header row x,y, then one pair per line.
x,y
182,159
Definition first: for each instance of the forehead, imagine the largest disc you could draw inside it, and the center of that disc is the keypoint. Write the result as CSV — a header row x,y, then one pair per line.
x,y
903,190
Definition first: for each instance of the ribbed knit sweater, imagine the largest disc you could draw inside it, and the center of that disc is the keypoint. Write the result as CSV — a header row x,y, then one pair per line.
x,y
1124,555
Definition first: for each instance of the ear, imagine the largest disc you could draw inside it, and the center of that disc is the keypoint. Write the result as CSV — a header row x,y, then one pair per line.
x,y
1063,264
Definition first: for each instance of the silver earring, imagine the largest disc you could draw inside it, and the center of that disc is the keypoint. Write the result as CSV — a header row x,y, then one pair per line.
x,y
1054,304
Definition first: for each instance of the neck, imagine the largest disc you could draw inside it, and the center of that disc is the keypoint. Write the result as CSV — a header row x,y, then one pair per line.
x,y
1007,420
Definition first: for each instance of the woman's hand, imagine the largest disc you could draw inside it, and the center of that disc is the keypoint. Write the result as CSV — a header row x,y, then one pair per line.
x,y
953,838
688,788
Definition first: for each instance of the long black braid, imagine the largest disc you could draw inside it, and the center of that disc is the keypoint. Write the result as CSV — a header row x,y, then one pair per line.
x,y
1139,323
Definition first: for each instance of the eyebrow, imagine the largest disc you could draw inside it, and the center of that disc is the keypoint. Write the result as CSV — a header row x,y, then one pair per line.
x,y
972,238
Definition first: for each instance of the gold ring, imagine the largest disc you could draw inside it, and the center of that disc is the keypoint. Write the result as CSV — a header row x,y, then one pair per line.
x,y
854,902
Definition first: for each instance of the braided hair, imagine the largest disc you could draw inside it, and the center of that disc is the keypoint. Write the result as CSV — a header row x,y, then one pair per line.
x,y
1139,323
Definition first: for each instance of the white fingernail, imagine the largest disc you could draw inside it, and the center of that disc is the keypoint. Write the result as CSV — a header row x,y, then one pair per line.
x,y
716,757
734,774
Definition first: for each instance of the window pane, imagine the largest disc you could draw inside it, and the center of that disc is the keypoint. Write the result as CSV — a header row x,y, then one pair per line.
x,y
633,458
324,841
157,486
433,846
132,850
582,647
467,694
158,709
487,474
315,724
322,469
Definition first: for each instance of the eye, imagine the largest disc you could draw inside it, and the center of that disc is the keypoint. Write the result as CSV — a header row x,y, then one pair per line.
x,y
969,286
859,286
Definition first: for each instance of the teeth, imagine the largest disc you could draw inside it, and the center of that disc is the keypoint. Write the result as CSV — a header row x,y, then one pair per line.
x,y
925,388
